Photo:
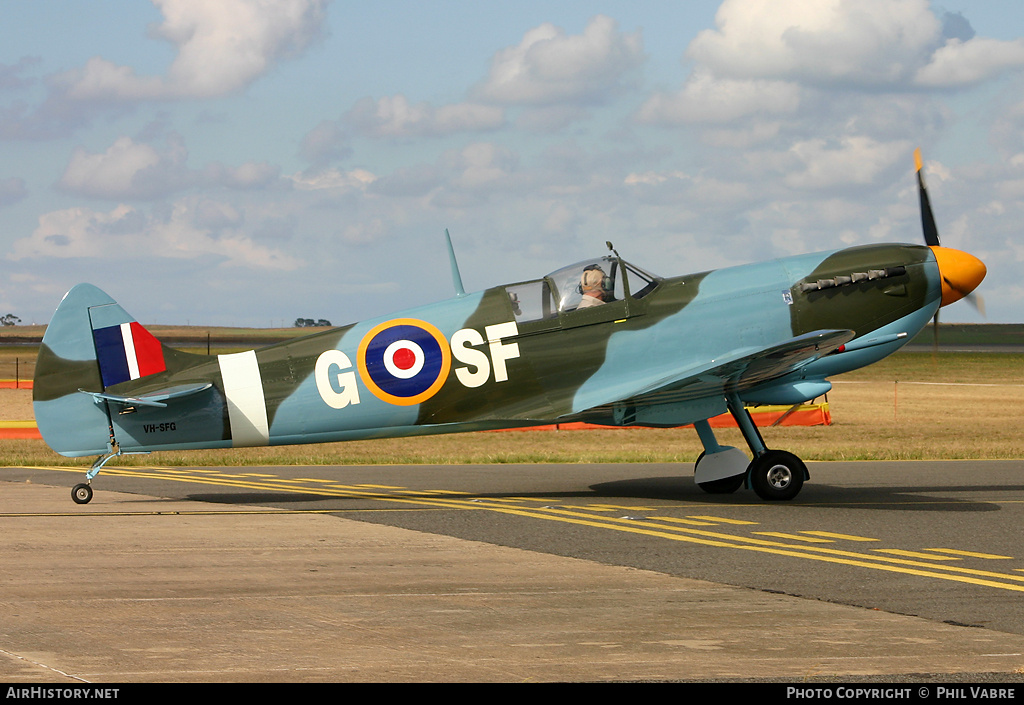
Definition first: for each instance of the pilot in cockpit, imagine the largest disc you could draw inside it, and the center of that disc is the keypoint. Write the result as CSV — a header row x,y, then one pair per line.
x,y
594,285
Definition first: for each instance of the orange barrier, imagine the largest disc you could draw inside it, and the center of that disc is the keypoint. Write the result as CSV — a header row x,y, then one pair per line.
x,y
802,415
19,430
16,384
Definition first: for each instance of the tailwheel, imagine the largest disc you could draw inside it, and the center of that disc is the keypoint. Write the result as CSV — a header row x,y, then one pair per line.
x,y
81,493
777,475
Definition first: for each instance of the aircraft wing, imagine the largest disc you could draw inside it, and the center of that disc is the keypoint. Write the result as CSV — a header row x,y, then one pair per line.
x,y
737,371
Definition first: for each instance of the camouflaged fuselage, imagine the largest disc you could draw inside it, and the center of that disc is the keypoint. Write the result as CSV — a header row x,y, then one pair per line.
x,y
664,352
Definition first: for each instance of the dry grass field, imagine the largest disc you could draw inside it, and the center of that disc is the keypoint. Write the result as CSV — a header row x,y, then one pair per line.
x,y
913,405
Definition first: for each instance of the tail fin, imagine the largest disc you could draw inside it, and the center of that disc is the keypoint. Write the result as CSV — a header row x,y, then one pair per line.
x,y
91,344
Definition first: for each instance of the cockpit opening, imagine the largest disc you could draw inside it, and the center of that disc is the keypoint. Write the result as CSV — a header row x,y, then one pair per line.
x,y
599,281
586,284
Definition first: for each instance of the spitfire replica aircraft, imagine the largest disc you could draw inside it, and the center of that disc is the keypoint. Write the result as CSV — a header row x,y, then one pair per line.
x,y
601,341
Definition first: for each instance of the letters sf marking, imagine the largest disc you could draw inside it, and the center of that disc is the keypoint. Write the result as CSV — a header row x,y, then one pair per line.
x,y
406,361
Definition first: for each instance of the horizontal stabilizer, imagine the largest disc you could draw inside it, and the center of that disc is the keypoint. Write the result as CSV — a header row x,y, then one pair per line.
x,y
159,398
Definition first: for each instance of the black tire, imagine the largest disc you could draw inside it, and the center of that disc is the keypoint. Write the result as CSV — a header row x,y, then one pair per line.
x,y
777,475
81,493
727,485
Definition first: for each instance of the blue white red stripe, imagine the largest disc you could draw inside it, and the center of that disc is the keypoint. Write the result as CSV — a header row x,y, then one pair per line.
x,y
126,352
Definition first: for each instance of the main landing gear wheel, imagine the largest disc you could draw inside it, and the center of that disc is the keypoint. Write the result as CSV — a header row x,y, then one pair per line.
x,y
777,475
81,493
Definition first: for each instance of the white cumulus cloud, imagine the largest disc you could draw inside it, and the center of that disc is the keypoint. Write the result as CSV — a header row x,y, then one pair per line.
x,y
856,160
705,98
861,42
550,67
221,47
127,169
130,170
960,63
128,233
395,116
764,56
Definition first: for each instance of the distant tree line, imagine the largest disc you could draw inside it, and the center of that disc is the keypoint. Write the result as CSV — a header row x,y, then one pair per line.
x,y
9,320
310,323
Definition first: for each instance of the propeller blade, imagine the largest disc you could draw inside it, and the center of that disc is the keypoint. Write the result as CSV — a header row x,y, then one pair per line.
x,y
931,232
961,272
976,300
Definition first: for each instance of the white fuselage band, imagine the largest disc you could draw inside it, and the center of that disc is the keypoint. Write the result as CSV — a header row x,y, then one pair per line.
x,y
247,407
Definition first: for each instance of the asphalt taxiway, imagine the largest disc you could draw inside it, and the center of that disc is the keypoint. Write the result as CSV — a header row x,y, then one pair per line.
x,y
398,574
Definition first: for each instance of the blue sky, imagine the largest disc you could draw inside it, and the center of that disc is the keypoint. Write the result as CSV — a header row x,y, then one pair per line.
x,y
252,162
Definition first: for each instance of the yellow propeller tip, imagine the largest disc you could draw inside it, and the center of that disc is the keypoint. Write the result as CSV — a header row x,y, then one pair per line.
x,y
917,158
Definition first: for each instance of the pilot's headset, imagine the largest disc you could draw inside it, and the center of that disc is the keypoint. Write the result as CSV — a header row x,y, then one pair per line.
x,y
606,281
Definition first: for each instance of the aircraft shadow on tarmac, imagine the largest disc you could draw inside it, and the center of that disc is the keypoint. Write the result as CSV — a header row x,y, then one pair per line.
x,y
911,497
676,489
260,498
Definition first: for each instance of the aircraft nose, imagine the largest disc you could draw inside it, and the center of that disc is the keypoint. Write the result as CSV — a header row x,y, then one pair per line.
x,y
961,273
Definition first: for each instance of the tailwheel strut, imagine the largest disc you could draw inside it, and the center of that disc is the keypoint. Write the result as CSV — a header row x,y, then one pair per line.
x,y
82,492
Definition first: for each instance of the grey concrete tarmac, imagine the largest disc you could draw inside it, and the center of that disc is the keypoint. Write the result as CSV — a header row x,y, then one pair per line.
x,y
132,588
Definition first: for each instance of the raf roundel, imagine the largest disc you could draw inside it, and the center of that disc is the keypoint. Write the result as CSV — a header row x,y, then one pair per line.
x,y
404,361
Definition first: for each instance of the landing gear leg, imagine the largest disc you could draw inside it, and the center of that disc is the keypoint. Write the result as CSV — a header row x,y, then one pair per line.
x,y
82,492
774,475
